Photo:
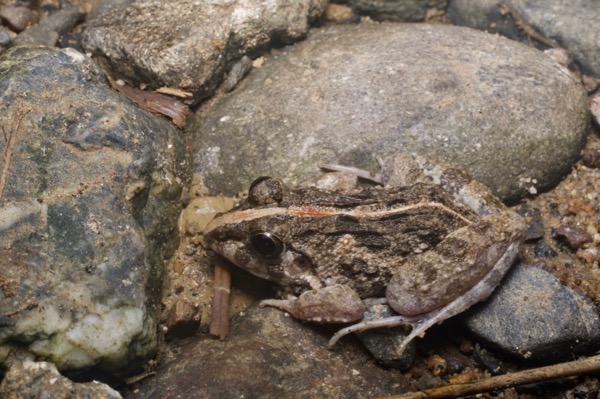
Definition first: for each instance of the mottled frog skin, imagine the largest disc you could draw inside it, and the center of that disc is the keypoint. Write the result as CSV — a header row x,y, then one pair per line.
x,y
431,241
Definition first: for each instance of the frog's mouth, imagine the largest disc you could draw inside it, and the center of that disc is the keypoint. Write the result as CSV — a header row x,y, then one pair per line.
x,y
244,258
286,270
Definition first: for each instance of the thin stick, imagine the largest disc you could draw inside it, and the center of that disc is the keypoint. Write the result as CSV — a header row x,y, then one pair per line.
x,y
17,117
577,367
219,325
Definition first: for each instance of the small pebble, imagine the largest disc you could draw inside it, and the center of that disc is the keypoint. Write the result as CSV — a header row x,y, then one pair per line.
x,y
489,361
339,13
18,18
437,365
574,237
591,158
183,320
589,254
533,217
543,250
5,38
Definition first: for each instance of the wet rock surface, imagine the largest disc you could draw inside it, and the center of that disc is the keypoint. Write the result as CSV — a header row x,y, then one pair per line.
x,y
131,38
471,99
269,355
534,317
574,25
90,192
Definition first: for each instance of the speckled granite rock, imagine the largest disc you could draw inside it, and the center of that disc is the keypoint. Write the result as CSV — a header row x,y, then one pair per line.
x,y
90,191
505,112
162,43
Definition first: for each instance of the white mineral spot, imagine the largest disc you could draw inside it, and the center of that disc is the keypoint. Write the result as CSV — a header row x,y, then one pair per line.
x,y
10,215
107,335
75,55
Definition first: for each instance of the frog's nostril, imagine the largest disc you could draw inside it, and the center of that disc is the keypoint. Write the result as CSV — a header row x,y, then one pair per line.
x,y
265,244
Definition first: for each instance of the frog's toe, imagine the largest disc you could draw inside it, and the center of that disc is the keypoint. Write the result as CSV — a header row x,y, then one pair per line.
x,y
419,326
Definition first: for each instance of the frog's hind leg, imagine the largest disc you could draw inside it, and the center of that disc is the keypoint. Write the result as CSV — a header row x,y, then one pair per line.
x,y
421,323
419,326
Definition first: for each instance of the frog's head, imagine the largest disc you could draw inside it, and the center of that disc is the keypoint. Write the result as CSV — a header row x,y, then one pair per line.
x,y
255,236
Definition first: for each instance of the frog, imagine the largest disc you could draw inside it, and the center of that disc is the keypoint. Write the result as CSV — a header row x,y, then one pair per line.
x,y
427,239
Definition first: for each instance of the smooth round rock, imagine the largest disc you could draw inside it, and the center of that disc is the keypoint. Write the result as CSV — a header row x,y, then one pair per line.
x,y
350,94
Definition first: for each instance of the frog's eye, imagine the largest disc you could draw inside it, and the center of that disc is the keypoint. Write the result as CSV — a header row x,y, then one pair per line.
x,y
265,244
265,190
257,181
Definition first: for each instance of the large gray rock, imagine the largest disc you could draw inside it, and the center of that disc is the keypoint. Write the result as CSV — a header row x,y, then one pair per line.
x,y
188,44
574,25
349,94
270,355
532,316
90,190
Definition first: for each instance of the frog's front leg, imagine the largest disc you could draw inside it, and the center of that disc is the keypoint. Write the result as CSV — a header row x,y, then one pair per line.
x,y
333,304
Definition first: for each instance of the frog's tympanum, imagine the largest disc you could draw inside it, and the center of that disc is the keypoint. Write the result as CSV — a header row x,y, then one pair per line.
x,y
431,241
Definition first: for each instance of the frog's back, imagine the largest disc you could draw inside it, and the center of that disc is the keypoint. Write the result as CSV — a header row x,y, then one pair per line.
x,y
362,238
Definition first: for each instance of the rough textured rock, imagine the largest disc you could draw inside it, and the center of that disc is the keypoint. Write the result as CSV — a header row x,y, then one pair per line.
x,y
18,18
505,112
270,355
534,317
383,343
163,44
574,25
49,29
90,192
28,379
182,320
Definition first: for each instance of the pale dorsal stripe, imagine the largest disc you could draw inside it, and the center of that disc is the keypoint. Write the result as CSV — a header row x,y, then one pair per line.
x,y
308,211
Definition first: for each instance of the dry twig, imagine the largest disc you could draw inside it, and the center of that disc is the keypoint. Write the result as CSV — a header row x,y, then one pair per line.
x,y
155,102
548,373
219,325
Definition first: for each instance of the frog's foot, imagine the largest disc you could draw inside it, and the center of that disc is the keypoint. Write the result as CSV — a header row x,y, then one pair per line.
x,y
419,326
333,304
